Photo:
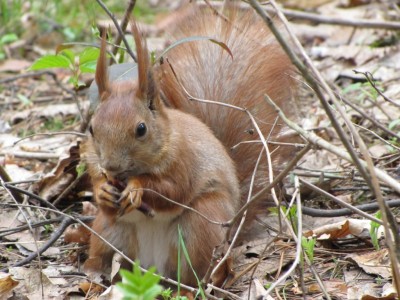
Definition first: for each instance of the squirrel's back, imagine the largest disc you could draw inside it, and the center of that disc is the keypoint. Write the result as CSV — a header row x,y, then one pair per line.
x,y
207,71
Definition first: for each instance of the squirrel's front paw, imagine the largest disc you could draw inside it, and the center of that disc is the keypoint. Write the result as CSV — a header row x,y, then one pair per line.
x,y
108,195
131,197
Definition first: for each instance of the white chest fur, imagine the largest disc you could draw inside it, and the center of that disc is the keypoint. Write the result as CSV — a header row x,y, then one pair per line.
x,y
155,237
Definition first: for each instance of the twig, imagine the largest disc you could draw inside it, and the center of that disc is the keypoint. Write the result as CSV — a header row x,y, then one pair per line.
x,y
165,279
40,199
339,201
66,221
376,123
67,190
6,178
37,253
50,134
34,155
371,81
13,230
124,24
367,169
330,213
392,145
358,23
298,249
277,179
316,140
120,32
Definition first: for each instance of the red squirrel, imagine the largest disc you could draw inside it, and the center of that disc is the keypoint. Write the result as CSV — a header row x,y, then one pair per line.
x,y
147,141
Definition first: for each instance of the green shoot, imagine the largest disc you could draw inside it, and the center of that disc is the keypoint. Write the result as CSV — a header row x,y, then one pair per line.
x,y
373,232
308,246
136,285
182,247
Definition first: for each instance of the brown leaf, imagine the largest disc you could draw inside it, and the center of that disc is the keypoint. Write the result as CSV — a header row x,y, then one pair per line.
x,y
65,172
7,284
374,262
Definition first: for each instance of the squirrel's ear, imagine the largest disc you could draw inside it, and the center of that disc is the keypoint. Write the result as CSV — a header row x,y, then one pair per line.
x,y
101,75
148,90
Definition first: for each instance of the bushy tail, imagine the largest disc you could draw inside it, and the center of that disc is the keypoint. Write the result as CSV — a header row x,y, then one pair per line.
x,y
207,71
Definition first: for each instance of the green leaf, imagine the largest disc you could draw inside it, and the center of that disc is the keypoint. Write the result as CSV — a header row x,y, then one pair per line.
x,y
186,253
394,124
80,169
194,39
88,67
69,54
51,61
8,38
153,292
88,55
25,101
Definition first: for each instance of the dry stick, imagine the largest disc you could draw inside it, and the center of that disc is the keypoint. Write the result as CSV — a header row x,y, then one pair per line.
x,y
340,202
281,175
80,134
341,212
53,238
82,223
393,240
124,24
58,83
4,177
239,228
382,175
376,123
37,253
378,137
120,32
359,23
340,152
297,239
306,258
371,81
22,191
13,230
68,189
305,71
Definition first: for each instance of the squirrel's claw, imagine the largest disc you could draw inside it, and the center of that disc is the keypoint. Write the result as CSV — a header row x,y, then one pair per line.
x,y
109,195
131,197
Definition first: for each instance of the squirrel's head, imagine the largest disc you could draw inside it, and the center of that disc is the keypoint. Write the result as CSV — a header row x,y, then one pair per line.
x,y
129,129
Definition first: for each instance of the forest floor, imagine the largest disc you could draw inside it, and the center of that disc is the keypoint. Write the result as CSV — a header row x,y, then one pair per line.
x,y
354,45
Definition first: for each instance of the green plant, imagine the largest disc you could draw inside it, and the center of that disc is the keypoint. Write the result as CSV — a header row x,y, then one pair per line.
x,y
182,247
4,40
308,247
373,232
138,285
54,124
364,89
65,58
291,214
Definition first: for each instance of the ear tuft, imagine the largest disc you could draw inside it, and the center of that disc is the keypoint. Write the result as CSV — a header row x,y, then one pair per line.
x,y
148,90
101,75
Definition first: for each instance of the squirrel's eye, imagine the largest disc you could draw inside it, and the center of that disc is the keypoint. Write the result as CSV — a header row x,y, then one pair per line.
x,y
141,130
91,130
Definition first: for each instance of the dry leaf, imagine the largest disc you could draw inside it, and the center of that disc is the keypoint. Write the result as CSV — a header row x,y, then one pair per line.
x,y
112,293
341,229
7,284
374,262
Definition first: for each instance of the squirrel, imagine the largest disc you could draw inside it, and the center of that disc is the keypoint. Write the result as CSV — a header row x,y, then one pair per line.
x,y
148,142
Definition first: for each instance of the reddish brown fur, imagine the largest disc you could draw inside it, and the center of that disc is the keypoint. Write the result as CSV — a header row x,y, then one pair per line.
x,y
259,66
180,158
